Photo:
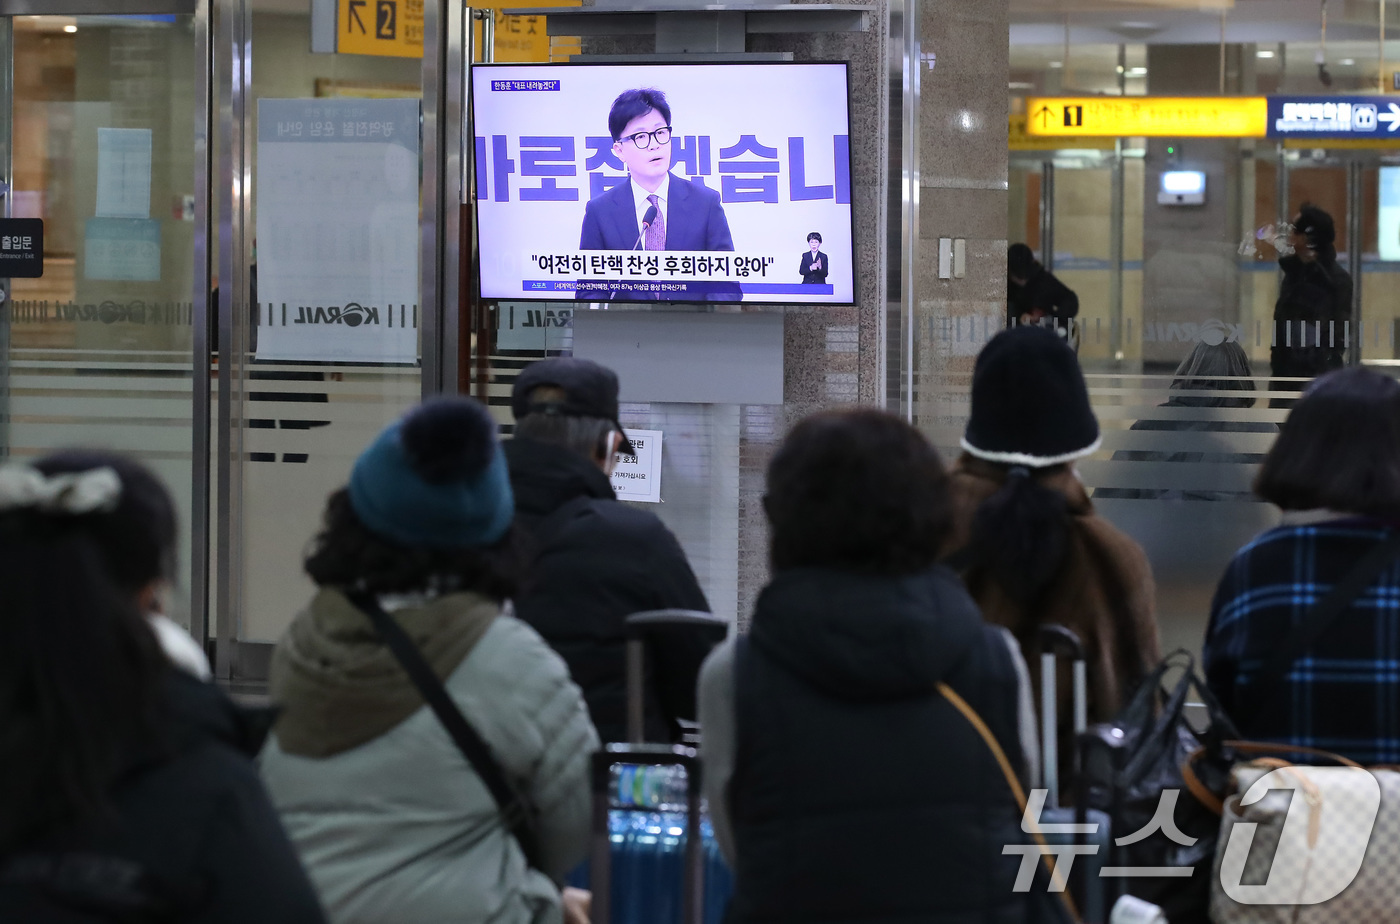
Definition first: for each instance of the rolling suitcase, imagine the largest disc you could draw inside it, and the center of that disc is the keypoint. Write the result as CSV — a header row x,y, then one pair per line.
x,y
644,865
1086,883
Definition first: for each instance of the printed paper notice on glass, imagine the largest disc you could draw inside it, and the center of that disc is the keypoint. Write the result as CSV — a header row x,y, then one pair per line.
x,y
123,173
337,236
638,477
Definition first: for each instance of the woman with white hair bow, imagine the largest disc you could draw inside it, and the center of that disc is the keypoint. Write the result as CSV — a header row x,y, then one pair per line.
x,y
127,790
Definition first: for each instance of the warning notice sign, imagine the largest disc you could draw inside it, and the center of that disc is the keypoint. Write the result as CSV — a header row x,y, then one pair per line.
x,y
638,477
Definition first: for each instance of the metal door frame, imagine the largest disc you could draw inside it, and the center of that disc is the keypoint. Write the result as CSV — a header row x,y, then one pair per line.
x,y
199,550
231,71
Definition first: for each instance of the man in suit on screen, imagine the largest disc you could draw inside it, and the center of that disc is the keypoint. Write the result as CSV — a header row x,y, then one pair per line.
x,y
688,216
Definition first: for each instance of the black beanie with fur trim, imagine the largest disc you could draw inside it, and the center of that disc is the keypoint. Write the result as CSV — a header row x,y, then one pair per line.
x,y
1030,405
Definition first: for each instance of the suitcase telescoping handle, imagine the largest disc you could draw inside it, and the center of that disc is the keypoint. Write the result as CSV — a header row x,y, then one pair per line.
x,y
638,625
600,856
1055,642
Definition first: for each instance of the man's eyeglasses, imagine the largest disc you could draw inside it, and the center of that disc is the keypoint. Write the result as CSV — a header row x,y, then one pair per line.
x,y
643,139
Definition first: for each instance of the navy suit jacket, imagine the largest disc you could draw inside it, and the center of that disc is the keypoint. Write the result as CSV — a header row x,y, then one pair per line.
x,y
694,219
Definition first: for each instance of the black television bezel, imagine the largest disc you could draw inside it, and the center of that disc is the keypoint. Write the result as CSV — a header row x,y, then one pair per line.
x,y
476,205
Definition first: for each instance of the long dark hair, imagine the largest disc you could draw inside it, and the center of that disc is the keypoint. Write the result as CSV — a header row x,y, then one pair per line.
x,y
348,554
1020,535
79,664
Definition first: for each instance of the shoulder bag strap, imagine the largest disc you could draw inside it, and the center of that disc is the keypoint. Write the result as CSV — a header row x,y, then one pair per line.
x,y
515,810
1314,623
1019,794
1263,751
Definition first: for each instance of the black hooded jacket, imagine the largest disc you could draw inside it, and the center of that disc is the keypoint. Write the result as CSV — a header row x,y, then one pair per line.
x,y
604,563
859,793
192,839
1042,292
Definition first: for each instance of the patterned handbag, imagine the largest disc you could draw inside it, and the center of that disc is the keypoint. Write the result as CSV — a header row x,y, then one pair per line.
x,y
1308,845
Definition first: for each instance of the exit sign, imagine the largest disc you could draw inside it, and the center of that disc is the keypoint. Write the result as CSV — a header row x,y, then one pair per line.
x,y
391,28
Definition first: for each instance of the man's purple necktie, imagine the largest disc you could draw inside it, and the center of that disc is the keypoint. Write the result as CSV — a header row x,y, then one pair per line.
x,y
656,231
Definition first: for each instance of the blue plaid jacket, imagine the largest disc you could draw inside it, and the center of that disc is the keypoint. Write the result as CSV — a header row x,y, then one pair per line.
x,y
1344,694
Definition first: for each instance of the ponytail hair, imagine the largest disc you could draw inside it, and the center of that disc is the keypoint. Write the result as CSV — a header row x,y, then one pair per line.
x,y
79,665
1020,535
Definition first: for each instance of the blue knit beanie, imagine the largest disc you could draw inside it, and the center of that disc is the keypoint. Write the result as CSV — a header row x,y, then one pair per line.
x,y
436,479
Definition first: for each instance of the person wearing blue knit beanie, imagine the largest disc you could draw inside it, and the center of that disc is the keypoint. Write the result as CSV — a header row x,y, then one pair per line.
x,y
391,820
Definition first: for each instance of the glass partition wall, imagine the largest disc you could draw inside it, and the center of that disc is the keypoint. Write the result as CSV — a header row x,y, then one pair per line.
x,y
165,144
100,123
330,217
1159,286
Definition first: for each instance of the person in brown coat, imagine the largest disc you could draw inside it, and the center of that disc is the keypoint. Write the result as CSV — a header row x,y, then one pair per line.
x,y
1025,535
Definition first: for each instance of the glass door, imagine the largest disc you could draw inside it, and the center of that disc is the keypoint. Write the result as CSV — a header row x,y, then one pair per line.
x,y
101,128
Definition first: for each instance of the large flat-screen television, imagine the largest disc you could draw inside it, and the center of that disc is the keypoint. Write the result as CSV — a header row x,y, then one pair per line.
x,y
664,182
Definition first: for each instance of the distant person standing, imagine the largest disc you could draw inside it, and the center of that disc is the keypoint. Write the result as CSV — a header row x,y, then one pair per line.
x,y
1314,302
1034,295
815,264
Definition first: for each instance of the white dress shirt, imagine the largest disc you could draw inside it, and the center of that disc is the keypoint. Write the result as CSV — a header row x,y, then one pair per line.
x,y
639,199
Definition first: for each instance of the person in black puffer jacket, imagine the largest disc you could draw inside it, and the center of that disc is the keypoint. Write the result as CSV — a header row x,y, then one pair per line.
x,y
127,789
843,785
593,561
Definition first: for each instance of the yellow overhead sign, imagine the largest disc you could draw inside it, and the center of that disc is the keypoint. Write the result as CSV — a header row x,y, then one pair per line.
x,y
1148,116
391,28
1020,140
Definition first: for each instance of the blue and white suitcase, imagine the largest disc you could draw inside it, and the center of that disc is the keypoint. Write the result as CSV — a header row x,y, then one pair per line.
x,y
644,867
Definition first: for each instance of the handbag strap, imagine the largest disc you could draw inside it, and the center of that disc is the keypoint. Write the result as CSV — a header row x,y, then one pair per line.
x,y
1019,794
1314,623
1216,804
513,807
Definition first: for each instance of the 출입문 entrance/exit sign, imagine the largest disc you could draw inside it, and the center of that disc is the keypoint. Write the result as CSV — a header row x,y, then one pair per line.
x,y
1148,117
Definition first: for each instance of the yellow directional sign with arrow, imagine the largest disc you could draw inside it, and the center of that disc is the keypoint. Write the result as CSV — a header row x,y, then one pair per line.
x,y
1148,116
391,28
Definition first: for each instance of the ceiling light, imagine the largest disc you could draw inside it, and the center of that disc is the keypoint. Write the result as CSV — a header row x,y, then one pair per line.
x,y
1020,85
70,29
1263,54
1137,72
1348,62
1057,64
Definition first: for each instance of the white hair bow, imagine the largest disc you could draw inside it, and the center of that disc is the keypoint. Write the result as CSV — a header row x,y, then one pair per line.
x,y
97,490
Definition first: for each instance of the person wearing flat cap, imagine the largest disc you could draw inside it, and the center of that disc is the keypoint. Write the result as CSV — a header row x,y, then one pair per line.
x,y
1026,537
592,560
